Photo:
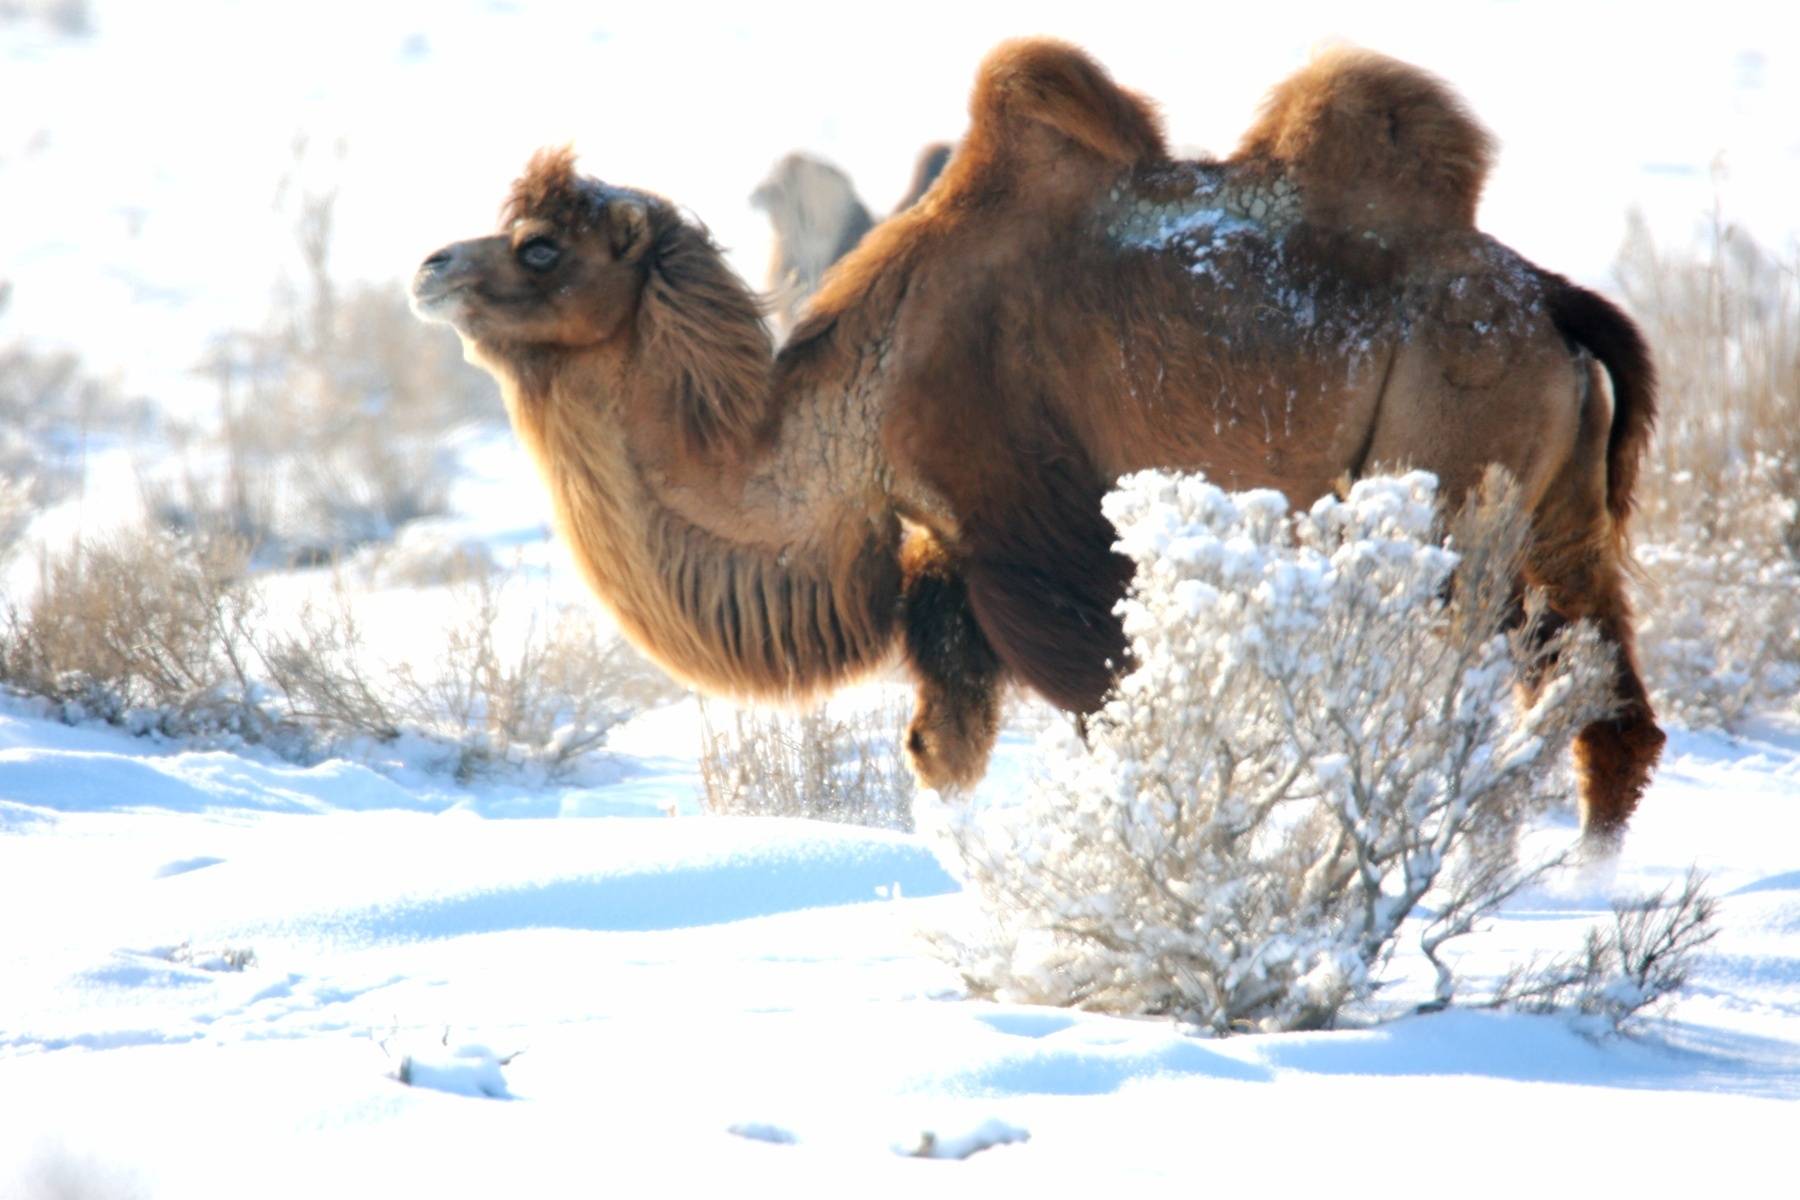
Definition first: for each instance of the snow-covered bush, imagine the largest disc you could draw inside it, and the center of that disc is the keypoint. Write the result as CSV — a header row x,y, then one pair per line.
x,y
1319,733
835,763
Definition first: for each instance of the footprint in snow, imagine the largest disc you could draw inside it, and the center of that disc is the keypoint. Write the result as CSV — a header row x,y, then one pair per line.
x,y
965,1143
182,866
471,1070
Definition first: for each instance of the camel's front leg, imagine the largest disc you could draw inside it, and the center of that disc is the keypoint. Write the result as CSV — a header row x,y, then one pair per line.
x,y
956,718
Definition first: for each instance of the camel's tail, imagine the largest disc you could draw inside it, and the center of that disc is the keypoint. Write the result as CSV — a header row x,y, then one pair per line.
x,y
1595,323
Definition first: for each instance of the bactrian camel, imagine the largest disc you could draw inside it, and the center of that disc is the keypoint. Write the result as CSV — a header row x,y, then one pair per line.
x,y
921,467
816,219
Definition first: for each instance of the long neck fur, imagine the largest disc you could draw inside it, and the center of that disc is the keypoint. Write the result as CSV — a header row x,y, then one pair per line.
x,y
737,534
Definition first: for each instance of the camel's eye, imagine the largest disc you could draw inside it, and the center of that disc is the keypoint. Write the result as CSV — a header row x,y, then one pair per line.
x,y
539,254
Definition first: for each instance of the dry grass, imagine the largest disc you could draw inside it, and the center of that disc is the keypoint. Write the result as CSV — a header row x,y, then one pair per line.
x,y
149,631
168,634
1719,529
542,698
334,418
1724,321
51,409
832,764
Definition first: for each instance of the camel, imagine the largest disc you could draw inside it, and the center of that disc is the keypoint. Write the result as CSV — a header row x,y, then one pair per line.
x,y
920,469
926,168
817,219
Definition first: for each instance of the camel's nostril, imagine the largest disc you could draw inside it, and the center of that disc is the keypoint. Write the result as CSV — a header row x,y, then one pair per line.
x,y
437,261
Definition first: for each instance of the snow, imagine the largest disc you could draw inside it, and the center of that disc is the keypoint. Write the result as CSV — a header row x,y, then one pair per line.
x,y
212,975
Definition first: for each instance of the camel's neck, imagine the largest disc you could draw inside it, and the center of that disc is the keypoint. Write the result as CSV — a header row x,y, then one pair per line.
x,y
754,572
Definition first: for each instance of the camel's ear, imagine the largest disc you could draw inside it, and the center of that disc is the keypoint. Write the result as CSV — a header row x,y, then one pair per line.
x,y
628,227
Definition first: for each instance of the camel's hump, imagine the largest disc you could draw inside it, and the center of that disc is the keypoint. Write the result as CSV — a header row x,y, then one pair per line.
x,y
1055,84
1373,139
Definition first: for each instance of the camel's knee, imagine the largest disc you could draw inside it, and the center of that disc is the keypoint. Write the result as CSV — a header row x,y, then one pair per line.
x,y
1614,759
952,734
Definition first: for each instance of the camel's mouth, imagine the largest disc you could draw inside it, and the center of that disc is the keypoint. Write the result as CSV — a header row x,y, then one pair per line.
x,y
429,306
440,287
435,299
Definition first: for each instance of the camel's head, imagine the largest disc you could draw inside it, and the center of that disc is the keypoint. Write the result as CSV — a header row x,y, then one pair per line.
x,y
565,271
582,269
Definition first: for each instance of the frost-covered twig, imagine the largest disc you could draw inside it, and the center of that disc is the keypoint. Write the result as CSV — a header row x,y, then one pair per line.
x,y
1621,972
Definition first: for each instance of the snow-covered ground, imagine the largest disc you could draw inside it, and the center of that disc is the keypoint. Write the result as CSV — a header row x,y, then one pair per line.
x,y
697,1002
214,967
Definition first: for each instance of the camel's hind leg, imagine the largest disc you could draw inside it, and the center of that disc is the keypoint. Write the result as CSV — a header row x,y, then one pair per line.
x,y
1614,757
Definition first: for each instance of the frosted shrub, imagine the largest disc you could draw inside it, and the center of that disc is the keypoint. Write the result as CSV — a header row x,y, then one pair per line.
x,y
1319,731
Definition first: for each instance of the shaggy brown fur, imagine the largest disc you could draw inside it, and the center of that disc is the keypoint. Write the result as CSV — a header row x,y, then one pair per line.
x,y
955,669
1064,306
1370,139
636,370
1033,85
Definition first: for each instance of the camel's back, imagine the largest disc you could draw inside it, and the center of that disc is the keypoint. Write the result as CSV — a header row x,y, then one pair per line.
x,y
1277,320
1481,374
1267,350
1229,336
